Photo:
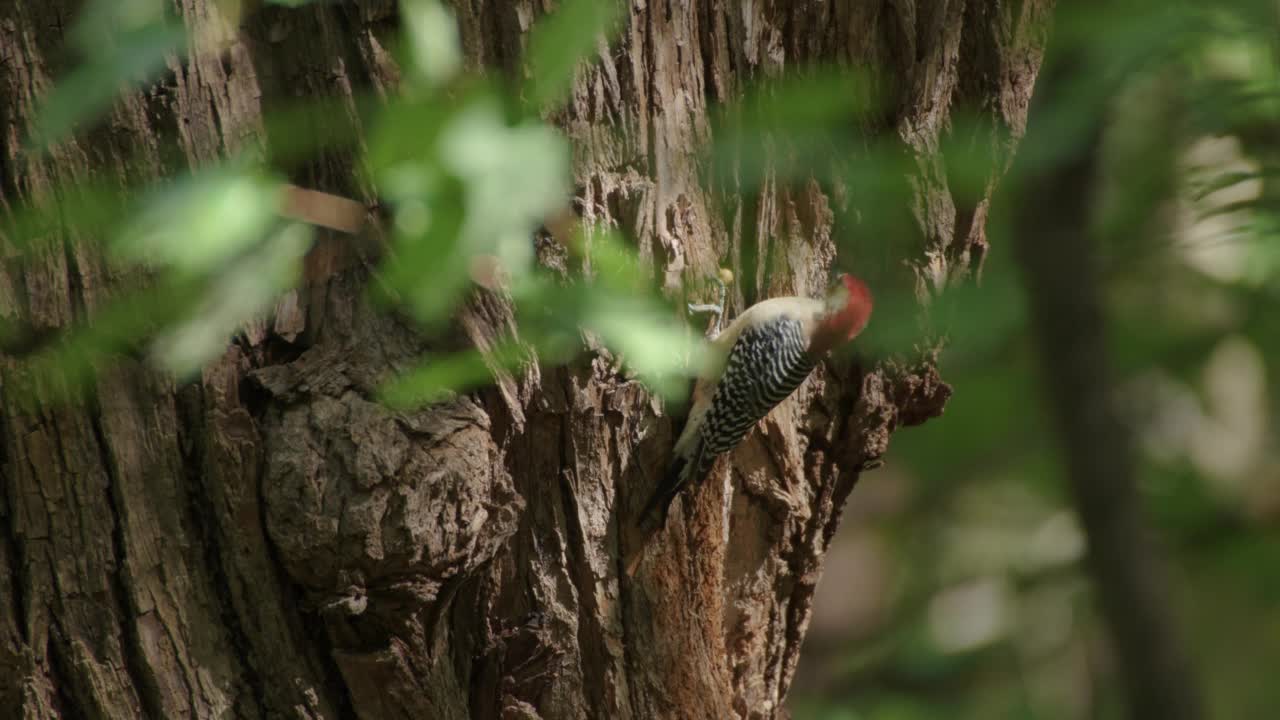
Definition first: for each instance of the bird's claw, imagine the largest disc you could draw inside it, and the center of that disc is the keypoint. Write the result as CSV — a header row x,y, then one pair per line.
x,y
705,308
717,307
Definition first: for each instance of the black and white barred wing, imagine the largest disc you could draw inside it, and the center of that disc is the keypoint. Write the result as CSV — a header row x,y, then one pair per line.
x,y
767,363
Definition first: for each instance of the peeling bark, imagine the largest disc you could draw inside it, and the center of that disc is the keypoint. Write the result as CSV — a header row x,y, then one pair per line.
x,y
270,542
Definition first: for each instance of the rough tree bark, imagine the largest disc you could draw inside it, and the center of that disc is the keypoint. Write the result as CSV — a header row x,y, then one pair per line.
x,y
271,542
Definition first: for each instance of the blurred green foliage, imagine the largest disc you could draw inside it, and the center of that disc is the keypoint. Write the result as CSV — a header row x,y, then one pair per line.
x,y
466,182
120,43
983,610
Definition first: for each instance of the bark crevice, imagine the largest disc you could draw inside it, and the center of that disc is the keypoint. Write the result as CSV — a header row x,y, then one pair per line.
x,y
62,678
135,660
200,508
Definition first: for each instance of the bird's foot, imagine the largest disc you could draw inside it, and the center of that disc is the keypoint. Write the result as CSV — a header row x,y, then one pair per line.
x,y
717,307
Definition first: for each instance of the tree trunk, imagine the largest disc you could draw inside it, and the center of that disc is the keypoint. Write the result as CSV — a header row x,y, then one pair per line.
x,y
270,541
1062,270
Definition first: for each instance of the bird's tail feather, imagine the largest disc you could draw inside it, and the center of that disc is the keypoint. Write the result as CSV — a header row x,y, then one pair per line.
x,y
665,493
680,473
658,504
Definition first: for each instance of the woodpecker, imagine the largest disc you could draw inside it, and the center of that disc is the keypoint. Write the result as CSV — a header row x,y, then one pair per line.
x,y
757,362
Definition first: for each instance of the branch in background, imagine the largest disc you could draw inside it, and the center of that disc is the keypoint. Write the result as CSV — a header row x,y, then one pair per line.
x,y
1059,258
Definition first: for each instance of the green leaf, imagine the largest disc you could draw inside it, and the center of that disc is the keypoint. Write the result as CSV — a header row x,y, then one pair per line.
x,y
243,290
85,209
437,378
89,90
435,49
793,128
560,40
402,145
62,370
464,186
515,177
200,223
613,263
650,342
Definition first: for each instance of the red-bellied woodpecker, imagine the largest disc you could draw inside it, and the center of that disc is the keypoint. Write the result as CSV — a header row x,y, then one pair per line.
x,y
757,362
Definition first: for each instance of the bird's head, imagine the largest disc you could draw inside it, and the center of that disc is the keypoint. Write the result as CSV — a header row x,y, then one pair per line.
x,y
847,309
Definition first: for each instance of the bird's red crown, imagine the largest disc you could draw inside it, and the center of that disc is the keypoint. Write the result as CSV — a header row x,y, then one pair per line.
x,y
848,310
